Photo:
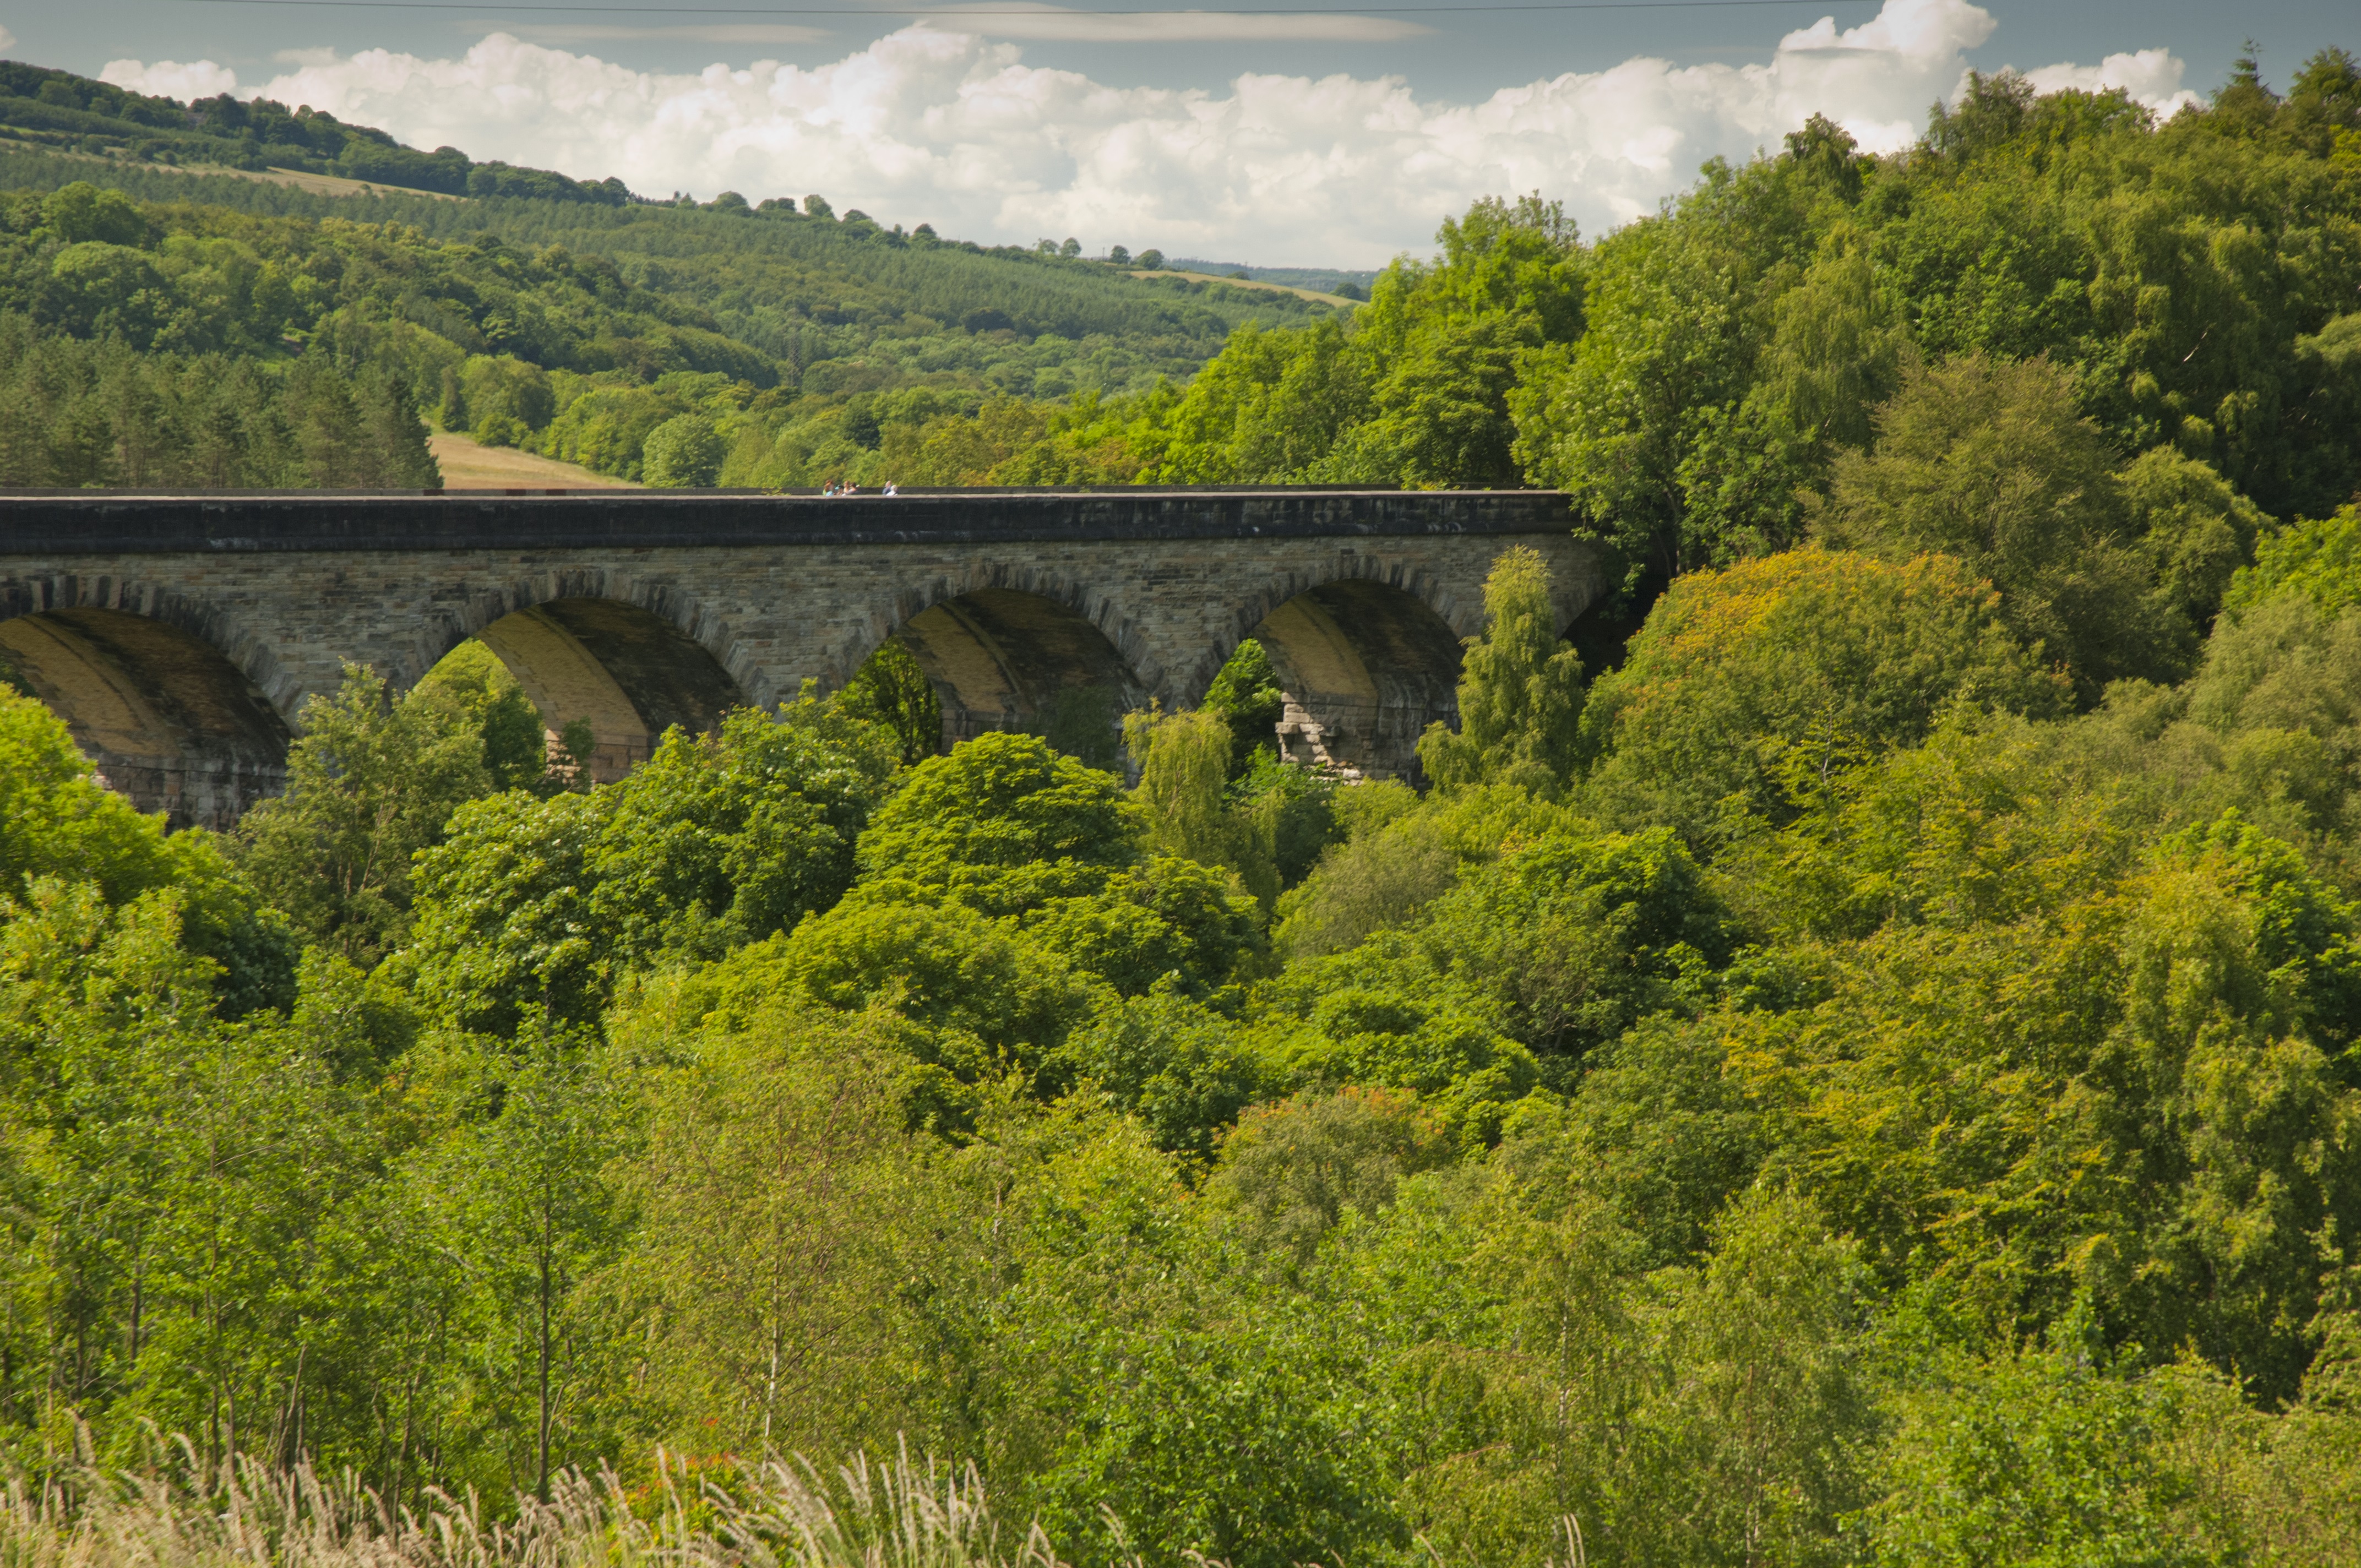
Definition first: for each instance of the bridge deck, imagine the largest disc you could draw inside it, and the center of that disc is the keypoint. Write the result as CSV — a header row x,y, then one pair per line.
x,y
182,636
111,524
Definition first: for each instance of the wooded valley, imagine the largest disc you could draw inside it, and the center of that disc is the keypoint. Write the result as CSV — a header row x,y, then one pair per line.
x,y
1847,1055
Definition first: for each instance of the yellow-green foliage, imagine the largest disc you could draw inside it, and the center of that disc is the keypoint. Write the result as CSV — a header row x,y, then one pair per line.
x,y
1184,768
2319,559
60,828
1520,691
1747,687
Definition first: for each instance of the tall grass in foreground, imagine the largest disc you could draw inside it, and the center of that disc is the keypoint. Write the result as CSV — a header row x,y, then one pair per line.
x,y
781,1513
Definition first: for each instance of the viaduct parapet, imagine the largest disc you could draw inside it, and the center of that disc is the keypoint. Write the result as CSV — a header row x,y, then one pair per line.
x,y
181,636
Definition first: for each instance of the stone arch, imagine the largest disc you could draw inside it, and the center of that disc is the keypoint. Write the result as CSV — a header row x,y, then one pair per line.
x,y
467,615
1367,656
1020,649
281,687
630,675
166,714
1368,645
630,655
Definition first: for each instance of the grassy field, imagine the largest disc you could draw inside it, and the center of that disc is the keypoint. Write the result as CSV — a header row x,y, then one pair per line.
x,y
1312,294
327,184
467,466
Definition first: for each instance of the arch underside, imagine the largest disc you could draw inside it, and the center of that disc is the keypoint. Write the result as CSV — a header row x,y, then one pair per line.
x,y
169,722
1365,667
1004,658
629,673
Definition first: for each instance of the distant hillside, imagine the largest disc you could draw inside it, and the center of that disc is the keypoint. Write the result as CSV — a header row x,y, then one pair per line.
x,y
837,304
831,306
1352,283
58,109
152,314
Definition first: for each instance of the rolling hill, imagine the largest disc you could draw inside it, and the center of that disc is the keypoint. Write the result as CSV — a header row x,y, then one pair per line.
x,y
260,236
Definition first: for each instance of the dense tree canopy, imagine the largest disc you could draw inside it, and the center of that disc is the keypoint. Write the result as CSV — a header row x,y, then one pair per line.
x,y
1811,1023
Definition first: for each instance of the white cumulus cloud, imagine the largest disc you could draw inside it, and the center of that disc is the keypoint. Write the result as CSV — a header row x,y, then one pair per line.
x,y
945,125
171,79
2152,76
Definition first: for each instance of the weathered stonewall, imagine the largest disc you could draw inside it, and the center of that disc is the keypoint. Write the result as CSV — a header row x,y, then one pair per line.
x,y
181,636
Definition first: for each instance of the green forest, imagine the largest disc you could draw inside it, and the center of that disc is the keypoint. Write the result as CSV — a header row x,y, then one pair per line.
x,y
1689,380
569,329
146,310
1853,1059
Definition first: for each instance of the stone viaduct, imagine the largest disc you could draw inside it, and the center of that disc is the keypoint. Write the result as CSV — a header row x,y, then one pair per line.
x,y
181,636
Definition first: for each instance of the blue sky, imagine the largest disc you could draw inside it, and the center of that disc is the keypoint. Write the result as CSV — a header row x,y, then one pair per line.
x,y
1334,139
